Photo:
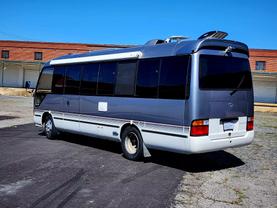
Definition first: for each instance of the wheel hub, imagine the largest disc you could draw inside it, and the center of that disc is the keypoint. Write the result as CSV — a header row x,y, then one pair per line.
x,y
131,143
48,126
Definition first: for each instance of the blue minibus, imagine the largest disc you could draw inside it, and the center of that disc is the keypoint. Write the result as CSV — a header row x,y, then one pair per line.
x,y
180,95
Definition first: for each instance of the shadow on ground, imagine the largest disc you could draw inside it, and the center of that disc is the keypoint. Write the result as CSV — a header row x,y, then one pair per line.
x,y
190,163
7,117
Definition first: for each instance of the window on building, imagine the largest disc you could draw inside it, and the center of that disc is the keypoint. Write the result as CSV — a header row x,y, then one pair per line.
x,y
148,78
173,77
58,80
89,79
5,54
38,55
260,65
125,83
106,79
72,79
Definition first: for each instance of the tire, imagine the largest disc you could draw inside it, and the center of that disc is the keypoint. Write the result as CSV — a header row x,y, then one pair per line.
x,y
49,128
132,143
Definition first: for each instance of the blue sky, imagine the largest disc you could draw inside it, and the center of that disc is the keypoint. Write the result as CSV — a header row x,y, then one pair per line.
x,y
134,22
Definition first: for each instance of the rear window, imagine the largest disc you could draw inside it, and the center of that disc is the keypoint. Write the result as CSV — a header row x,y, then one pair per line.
x,y
224,72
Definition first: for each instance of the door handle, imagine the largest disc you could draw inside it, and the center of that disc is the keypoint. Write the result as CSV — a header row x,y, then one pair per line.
x,y
67,103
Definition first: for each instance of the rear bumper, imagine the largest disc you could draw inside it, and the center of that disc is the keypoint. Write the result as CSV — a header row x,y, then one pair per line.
x,y
206,144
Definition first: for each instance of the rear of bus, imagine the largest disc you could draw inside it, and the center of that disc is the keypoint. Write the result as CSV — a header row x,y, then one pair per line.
x,y
221,98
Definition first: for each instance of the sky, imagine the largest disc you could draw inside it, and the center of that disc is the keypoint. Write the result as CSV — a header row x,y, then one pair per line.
x,y
253,22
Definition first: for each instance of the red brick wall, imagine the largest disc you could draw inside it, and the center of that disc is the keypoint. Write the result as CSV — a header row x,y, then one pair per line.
x,y
24,50
269,56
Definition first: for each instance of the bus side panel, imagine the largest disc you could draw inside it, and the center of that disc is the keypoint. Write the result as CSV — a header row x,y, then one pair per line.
x,y
149,110
71,117
54,103
167,115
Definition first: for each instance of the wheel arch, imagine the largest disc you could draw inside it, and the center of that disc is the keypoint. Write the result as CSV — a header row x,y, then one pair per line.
x,y
124,126
44,116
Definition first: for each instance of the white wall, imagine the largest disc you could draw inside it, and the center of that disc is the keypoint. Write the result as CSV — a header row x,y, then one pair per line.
x,y
1,75
13,76
31,75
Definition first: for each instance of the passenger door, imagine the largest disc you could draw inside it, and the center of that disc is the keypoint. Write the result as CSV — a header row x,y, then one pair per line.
x,y
55,100
72,97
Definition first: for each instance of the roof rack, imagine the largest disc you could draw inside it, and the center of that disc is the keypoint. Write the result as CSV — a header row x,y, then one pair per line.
x,y
213,34
178,38
175,38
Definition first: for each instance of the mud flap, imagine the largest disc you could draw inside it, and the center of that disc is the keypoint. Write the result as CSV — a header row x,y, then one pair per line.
x,y
146,152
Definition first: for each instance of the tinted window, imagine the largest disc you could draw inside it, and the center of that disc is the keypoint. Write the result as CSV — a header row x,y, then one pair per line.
x,y
58,80
89,79
106,79
72,82
45,81
173,77
125,83
224,72
147,78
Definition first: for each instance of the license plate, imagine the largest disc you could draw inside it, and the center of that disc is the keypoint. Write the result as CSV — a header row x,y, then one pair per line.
x,y
228,125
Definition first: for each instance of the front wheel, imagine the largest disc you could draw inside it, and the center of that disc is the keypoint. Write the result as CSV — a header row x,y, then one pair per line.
x,y
131,143
49,128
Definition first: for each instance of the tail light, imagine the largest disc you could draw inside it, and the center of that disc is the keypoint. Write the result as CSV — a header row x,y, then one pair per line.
x,y
250,123
199,128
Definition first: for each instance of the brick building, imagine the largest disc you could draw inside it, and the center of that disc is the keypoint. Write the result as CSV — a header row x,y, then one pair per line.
x,y
264,70
21,61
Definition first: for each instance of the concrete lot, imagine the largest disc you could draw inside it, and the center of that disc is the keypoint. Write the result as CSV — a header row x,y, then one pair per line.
x,y
250,183
15,110
77,171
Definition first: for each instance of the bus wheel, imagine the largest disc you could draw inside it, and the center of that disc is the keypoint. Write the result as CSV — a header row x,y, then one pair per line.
x,y
132,143
49,128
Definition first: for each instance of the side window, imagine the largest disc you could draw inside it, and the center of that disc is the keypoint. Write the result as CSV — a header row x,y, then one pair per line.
x,y
106,79
58,80
45,80
173,76
125,83
72,82
147,78
89,79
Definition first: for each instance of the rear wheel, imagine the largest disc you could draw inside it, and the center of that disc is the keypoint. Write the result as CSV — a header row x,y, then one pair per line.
x,y
49,128
131,143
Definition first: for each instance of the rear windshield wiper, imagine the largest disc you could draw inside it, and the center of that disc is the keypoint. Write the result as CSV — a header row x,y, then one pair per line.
x,y
236,89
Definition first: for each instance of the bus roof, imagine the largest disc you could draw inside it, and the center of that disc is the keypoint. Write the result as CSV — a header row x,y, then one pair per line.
x,y
184,47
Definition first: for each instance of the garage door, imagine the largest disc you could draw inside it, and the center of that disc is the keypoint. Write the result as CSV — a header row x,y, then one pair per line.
x,y
265,91
12,77
32,76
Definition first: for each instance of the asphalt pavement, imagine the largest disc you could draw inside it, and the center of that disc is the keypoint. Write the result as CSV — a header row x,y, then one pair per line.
x,y
78,171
